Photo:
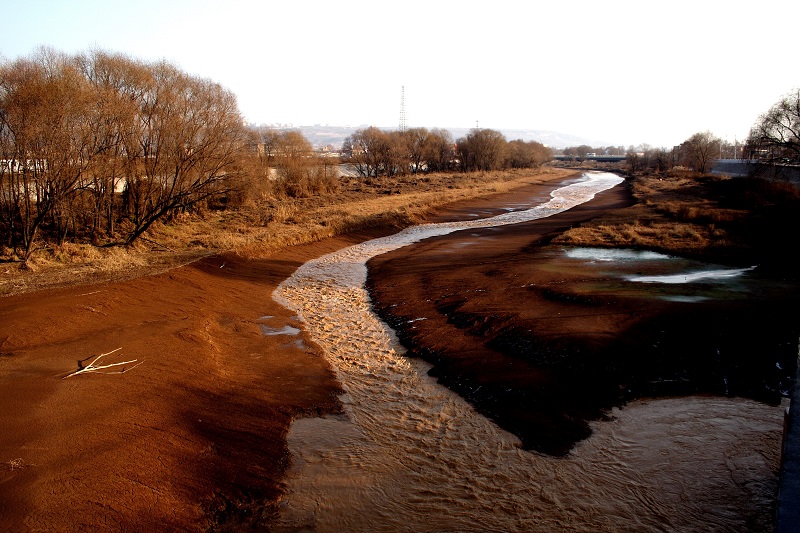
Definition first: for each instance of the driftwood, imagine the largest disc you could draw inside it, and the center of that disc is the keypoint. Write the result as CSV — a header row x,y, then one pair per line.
x,y
91,368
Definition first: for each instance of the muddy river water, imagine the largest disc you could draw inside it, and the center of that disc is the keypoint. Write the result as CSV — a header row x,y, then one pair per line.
x,y
410,455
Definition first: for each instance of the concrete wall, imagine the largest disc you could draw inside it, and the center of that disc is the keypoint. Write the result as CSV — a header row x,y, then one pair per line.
x,y
788,508
743,168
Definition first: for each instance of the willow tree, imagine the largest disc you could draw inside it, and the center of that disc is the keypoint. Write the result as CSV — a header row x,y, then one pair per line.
x,y
527,154
47,144
439,154
368,151
115,82
188,137
83,127
482,149
776,134
699,151
428,151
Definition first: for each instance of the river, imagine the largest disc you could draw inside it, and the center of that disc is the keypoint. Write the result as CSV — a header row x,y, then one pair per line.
x,y
410,455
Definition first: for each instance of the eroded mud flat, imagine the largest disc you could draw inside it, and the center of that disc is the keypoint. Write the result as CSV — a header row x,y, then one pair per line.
x,y
410,455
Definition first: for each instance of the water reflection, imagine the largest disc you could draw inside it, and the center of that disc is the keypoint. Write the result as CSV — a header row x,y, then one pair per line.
x,y
286,330
662,276
271,331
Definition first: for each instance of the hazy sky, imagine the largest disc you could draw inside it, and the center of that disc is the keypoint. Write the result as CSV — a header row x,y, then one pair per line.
x,y
616,72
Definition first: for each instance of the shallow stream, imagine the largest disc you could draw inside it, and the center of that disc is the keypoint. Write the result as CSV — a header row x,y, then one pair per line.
x,y
410,455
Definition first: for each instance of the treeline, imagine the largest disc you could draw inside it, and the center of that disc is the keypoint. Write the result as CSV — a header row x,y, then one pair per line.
x,y
284,163
578,152
98,146
775,137
697,153
105,145
376,152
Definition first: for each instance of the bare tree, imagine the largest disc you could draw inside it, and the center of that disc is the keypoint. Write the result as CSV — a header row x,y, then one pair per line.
x,y
397,153
633,159
700,150
416,140
73,130
48,143
369,151
439,150
375,152
115,81
294,162
267,145
530,154
661,160
776,135
190,136
482,149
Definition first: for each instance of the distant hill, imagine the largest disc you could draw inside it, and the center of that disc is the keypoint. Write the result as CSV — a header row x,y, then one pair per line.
x,y
319,135
552,139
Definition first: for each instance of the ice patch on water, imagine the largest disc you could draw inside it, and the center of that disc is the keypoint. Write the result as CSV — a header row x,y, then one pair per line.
x,y
608,254
693,277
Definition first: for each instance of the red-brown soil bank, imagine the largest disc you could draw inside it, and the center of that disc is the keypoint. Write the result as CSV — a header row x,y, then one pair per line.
x,y
193,437
510,328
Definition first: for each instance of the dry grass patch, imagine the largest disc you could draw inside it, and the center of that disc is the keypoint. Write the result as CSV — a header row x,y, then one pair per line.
x,y
676,213
677,238
360,203
265,226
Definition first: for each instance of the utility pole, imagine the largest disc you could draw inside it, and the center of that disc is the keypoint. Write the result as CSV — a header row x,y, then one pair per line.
x,y
402,108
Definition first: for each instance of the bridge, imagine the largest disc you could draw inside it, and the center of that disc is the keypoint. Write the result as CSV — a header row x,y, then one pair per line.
x,y
591,157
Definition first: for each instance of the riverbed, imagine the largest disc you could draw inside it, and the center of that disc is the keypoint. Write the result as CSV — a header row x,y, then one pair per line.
x,y
410,455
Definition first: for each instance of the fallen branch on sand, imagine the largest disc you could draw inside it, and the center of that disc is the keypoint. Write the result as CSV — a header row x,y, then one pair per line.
x,y
92,368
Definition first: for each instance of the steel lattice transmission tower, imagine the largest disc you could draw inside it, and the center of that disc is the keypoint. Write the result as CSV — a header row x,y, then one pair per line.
x,y
403,108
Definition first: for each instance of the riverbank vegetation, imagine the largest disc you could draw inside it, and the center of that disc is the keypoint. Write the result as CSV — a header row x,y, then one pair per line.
x,y
103,157
681,209
730,220
111,161
263,227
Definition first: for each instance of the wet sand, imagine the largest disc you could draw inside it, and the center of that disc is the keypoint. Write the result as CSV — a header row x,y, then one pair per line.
x,y
193,436
508,325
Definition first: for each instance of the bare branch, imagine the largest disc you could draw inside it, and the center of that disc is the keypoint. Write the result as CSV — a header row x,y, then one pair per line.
x,y
91,368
